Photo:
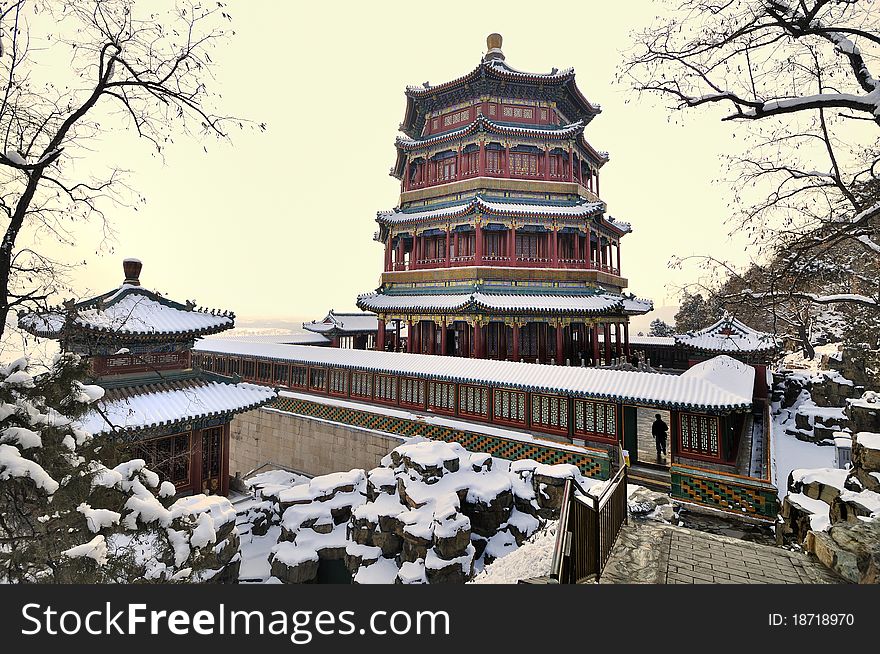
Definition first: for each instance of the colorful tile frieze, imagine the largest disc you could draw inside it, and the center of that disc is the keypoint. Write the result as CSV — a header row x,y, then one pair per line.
x,y
755,499
593,463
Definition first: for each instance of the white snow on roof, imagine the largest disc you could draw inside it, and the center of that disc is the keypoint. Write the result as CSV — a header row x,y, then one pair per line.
x,y
725,372
722,385
133,313
869,440
544,131
578,210
728,335
346,322
600,302
167,406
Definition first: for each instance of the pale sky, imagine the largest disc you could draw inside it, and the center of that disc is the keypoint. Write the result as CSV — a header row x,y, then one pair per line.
x,y
279,224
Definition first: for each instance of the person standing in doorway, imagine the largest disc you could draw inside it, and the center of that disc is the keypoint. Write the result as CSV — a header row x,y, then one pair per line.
x,y
659,429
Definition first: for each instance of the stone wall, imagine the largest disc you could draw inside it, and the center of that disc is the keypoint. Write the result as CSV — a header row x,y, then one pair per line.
x,y
315,447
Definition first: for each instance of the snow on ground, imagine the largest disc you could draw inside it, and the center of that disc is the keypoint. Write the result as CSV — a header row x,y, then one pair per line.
x,y
531,559
789,454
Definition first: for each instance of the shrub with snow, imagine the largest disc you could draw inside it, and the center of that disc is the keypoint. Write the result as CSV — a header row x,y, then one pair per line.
x,y
71,511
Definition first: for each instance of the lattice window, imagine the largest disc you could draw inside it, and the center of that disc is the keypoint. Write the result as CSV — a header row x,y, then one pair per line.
x,y
264,371
550,411
441,395
412,391
386,388
522,163
362,384
509,405
699,435
280,374
234,367
248,369
338,381
473,400
493,160
317,378
299,375
220,365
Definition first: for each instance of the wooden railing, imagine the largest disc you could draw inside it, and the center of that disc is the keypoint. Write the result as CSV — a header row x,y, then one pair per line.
x,y
588,529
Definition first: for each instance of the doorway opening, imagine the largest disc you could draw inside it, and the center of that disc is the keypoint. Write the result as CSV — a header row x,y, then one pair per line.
x,y
649,451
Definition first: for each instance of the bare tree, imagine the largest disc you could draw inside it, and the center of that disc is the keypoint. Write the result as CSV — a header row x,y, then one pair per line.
x,y
135,66
802,75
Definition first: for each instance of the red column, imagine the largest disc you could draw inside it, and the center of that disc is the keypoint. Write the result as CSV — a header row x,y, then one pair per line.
x,y
506,161
397,335
448,243
554,247
478,242
432,337
457,252
410,336
626,339
511,244
607,335
560,354
570,165
458,163
406,175
597,182
546,163
515,342
380,334
482,163
617,245
443,348
388,253
594,336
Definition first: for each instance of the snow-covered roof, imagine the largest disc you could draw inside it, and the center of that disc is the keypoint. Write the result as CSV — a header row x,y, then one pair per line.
x,y
165,404
728,335
129,310
580,209
543,302
350,323
713,386
635,339
481,123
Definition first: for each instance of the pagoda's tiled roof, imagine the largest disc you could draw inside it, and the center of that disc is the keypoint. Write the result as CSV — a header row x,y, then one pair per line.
x,y
596,303
582,209
720,384
165,404
344,323
481,123
129,311
497,69
728,335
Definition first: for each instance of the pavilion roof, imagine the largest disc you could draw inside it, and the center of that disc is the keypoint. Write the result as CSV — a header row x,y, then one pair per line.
x,y
492,70
167,403
128,311
721,384
344,323
728,335
479,204
593,303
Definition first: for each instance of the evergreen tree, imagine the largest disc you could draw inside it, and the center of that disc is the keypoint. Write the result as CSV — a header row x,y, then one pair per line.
x,y
660,328
71,512
695,312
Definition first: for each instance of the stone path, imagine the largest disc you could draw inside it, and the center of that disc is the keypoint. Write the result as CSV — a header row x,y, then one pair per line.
x,y
663,554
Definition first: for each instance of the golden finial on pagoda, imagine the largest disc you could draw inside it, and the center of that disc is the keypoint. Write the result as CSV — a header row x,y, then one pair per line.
x,y
493,41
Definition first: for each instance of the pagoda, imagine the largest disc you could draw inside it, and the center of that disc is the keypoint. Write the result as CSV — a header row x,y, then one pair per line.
x,y
139,345
500,246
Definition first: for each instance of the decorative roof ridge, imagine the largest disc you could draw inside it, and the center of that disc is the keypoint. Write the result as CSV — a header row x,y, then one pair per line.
x,y
493,68
484,123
